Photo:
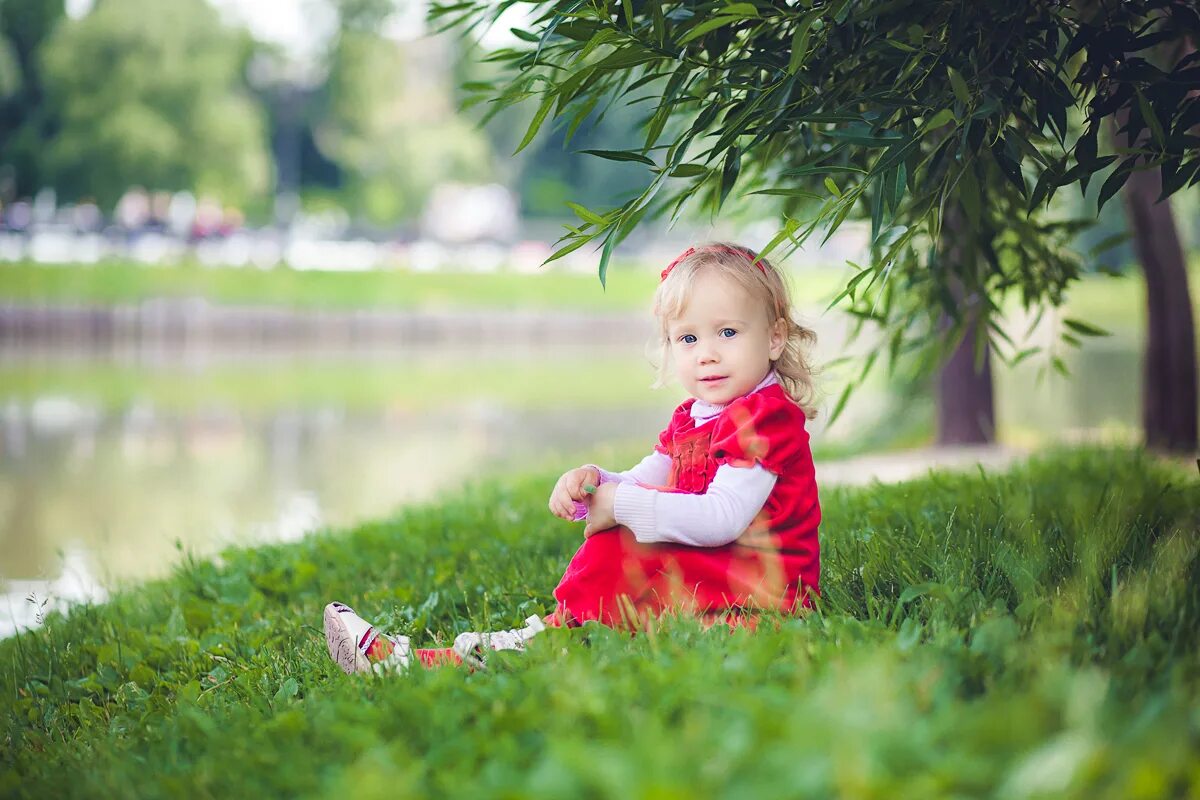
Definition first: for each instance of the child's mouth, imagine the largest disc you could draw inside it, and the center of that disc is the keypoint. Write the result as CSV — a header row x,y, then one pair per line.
x,y
711,380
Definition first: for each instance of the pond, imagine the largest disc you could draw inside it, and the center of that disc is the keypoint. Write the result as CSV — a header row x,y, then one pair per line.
x,y
115,463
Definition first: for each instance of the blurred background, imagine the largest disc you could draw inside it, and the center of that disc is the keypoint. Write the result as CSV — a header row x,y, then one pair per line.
x,y
262,274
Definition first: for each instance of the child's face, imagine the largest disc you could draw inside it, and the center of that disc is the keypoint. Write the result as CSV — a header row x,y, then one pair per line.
x,y
722,345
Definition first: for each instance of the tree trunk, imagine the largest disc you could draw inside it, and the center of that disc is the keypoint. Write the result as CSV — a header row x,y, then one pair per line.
x,y
965,410
1169,399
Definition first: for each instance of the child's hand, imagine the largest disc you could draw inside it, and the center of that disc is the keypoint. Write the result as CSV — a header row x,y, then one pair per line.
x,y
601,509
569,488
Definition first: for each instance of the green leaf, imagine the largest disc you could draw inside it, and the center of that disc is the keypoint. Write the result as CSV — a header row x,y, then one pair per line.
x,y
538,118
789,227
628,56
850,286
877,206
820,169
861,133
621,155
689,171
841,404
628,6
891,235
1113,184
569,248
1151,119
708,25
605,255
832,187
588,106
788,193
900,187
800,41
585,215
658,22
968,193
571,85
580,30
1084,328
287,690
523,35
729,173
554,21
1109,242
740,9
959,86
659,120
938,120
1024,354
1041,190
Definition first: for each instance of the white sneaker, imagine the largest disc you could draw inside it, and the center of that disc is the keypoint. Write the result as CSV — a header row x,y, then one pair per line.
x,y
351,638
472,646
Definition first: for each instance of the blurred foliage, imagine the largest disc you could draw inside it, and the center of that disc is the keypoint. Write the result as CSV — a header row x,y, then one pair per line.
x,y
122,97
391,129
153,99
1019,635
25,119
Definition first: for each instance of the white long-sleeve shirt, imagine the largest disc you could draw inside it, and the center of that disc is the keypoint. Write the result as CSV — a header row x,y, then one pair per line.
x,y
712,519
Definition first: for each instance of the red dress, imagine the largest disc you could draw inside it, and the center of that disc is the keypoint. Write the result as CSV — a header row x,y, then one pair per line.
x,y
774,563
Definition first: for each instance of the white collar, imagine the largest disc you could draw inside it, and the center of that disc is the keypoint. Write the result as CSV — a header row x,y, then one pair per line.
x,y
702,412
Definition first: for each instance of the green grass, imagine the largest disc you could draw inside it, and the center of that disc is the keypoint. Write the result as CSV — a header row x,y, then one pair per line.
x,y
1028,634
403,382
116,282
629,287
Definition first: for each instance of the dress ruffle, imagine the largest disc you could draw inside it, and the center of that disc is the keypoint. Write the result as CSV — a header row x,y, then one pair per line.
x,y
766,427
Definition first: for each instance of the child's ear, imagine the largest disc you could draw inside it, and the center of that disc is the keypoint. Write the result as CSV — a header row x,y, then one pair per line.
x,y
778,338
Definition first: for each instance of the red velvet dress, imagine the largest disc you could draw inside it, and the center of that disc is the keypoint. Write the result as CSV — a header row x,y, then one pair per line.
x,y
774,563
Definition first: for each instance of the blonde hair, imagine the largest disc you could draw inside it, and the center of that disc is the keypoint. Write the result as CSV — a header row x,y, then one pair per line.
x,y
740,265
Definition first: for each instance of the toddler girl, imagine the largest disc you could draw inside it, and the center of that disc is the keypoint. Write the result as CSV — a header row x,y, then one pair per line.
x,y
720,519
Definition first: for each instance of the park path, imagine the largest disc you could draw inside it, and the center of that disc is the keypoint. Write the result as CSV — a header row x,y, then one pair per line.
x,y
907,464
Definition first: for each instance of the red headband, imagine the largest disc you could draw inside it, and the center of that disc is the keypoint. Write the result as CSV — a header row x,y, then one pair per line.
x,y
722,248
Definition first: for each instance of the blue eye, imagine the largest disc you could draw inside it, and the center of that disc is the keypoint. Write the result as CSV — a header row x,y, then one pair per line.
x,y
687,338
732,333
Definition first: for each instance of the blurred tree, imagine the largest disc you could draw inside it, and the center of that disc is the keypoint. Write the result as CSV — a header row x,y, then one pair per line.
x,y
393,132
386,118
1169,365
25,120
152,95
944,123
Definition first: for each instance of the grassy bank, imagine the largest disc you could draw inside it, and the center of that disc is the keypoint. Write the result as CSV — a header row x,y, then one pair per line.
x,y
117,282
1030,634
404,383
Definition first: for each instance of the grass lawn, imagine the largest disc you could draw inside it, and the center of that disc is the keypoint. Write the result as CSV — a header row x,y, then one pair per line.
x,y
405,383
1018,635
116,282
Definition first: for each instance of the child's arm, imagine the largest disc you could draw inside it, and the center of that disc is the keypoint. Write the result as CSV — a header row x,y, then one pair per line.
x,y
654,470
712,519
